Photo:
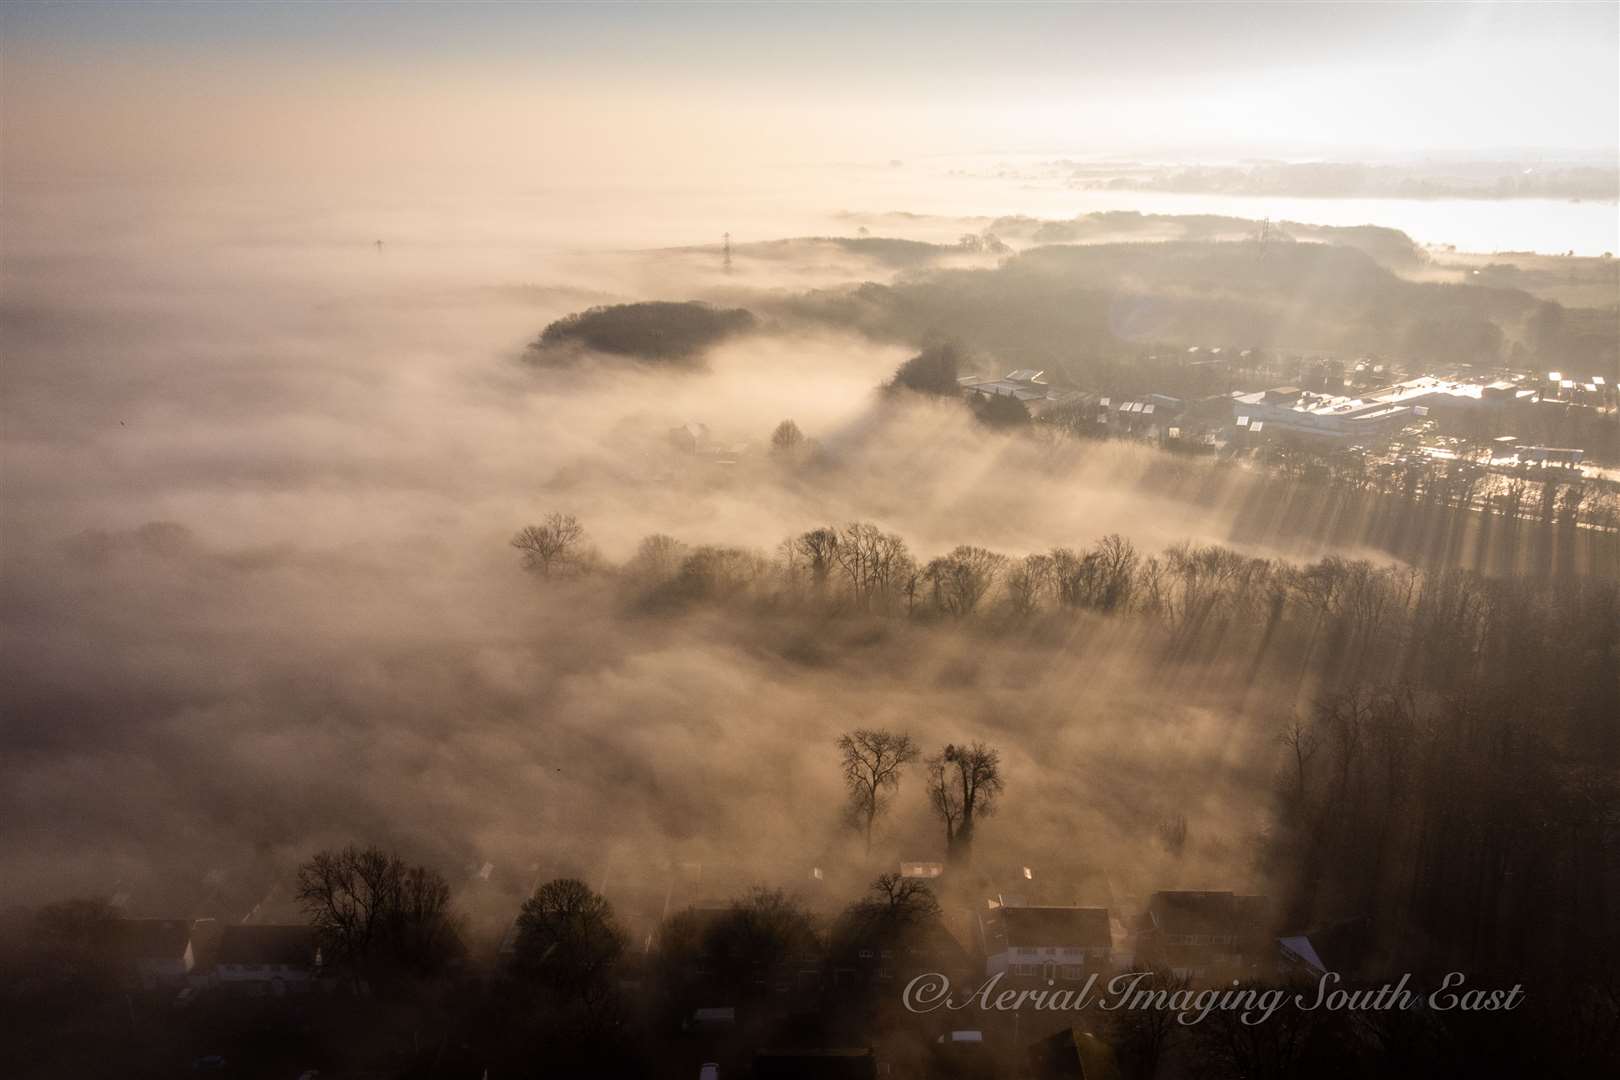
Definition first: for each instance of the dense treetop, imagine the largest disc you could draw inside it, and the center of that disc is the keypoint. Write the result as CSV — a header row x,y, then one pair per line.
x,y
655,331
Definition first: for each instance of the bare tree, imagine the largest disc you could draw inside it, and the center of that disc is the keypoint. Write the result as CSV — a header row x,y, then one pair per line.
x,y
718,573
818,546
759,937
961,579
945,799
1152,587
1027,582
907,583
567,939
872,761
1103,578
963,782
658,557
899,901
787,439
1115,561
875,563
893,908
1142,1036
377,915
551,545
1300,739
1068,572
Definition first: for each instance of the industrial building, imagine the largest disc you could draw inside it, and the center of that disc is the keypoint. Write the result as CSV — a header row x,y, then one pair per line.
x,y
1372,417
1026,385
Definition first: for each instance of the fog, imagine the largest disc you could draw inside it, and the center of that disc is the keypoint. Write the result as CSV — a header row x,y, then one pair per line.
x,y
319,322
260,476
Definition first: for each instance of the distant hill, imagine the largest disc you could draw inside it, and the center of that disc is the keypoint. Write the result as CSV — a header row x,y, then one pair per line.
x,y
1389,246
886,250
654,331
1050,305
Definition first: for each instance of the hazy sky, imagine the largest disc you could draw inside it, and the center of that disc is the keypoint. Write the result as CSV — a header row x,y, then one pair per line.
x,y
540,90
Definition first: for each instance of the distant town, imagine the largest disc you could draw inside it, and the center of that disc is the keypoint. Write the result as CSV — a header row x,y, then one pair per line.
x,y
1494,423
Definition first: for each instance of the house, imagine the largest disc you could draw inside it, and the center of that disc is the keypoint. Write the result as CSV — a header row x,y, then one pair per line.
x,y
695,438
268,959
1206,935
877,957
1374,415
1342,947
1145,414
1046,943
1013,883
1293,411
205,934
1125,938
925,871
1026,385
154,953
690,437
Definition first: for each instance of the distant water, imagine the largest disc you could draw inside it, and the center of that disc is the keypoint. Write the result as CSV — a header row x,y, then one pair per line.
x,y
502,224
1550,226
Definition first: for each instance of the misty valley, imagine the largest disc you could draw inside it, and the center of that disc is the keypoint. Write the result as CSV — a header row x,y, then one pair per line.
x,y
668,665
696,540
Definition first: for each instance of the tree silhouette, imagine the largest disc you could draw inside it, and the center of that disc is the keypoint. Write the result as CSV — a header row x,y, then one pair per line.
x,y
549,546
963,782
787,439
872,760
567,939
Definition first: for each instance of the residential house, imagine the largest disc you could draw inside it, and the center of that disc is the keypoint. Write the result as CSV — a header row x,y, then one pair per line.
x,y
877,957
268,959
1046,943
1014,883
154,953
1342,947
1206,935
922,871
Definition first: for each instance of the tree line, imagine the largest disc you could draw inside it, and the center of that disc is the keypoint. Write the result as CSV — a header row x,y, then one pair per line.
x,y
1448,742
1341,618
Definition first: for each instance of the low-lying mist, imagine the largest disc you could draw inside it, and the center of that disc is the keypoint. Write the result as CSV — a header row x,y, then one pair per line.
x,y
260,476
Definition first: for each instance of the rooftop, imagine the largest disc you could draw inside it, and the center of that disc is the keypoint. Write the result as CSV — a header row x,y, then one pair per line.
x,y
1034,927
153,939
1202,912
1376,403
1025,384
291,945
